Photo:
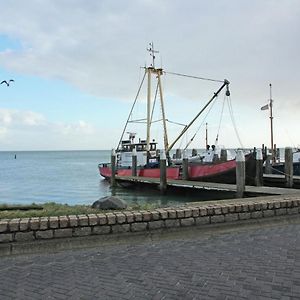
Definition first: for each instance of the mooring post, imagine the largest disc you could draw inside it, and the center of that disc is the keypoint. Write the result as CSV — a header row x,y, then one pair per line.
x,y
223,155
240,174
163,172
185,166
134,163
268,167
259,168
178,153
288,167
113,168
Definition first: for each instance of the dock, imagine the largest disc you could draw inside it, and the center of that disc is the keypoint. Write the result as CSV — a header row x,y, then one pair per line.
x,y
262,190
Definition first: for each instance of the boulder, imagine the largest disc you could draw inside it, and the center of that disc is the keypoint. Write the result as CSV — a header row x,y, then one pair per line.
x,y
110,202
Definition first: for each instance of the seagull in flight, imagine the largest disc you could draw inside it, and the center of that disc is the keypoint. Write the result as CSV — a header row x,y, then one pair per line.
x,y
7,82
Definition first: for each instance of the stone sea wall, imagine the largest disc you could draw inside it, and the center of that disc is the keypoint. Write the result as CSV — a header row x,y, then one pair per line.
x,y
195,214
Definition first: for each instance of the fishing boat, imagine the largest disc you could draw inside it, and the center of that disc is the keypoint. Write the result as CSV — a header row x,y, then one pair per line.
x,y
146,151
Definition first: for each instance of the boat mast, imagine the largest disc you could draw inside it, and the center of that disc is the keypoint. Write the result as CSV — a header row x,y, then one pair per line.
x,y
271,121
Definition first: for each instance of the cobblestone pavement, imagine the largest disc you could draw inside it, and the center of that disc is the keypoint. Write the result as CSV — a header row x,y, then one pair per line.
x,y
256,262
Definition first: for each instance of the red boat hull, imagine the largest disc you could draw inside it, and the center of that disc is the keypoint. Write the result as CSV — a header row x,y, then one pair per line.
x,y
172,172
218,172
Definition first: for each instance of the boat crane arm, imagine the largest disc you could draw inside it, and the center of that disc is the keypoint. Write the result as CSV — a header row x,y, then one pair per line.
x,y
225,84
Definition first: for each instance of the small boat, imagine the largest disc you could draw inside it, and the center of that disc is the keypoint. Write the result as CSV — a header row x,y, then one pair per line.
x,y
146,151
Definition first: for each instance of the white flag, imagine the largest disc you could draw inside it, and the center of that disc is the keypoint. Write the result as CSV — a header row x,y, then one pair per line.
x,y
265,107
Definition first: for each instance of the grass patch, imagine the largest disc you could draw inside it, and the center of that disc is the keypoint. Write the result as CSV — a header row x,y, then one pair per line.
x,y
55,209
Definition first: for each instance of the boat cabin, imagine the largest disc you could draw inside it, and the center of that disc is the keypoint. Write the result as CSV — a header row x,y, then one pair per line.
x,y
125,153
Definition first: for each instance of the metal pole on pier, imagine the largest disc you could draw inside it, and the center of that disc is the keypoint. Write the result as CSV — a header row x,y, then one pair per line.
x,y
271,120
163,172
259,168
288,167
134,163
240,174
113,168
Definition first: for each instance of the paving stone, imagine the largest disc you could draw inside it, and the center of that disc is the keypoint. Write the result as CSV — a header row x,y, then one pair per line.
x,y
280,211
14,225
170,223
120,218
138,226
156,224
202,220
24,236
146,216
120,228
63,232
244,216
24,224
137,217
171,213
102,219
195,212
225,209
44,223
268,213
129,216
103,229
82,231
292,211
73,220
93,219
203,211
34,223
254,262
83,220
5,238
111,218
155,215
44,234
187,222
188,212
231,217
217,219
53,222
256,214
217,210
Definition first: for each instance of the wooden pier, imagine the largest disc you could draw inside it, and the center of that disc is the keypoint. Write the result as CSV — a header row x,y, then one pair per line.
x,y
262,190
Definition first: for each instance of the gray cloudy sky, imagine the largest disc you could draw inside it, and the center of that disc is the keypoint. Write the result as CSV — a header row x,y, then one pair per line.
x,y
97,48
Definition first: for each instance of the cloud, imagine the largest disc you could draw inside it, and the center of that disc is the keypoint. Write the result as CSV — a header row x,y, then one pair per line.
x,y
27,130
99,46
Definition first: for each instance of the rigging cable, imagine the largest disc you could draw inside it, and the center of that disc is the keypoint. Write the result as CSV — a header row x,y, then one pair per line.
x,y
233,120
195,77
136,97
190,141
221,117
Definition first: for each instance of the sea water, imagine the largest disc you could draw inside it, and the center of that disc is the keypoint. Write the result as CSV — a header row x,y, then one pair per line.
x,y
72,177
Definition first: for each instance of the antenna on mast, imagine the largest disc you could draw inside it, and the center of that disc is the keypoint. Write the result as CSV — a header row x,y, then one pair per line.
x,y
152,53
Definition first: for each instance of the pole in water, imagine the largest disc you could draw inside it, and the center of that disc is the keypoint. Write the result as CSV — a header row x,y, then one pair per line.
x,y
259,168
15,156
113,168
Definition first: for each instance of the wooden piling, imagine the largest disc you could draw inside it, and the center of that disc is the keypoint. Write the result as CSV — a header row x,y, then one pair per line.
x,y
134,163
268,167
178,153
259,168
288,167
185,166
163,172
113,168
240,174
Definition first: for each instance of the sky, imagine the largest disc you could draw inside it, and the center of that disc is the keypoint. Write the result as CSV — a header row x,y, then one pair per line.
x,y
77,65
